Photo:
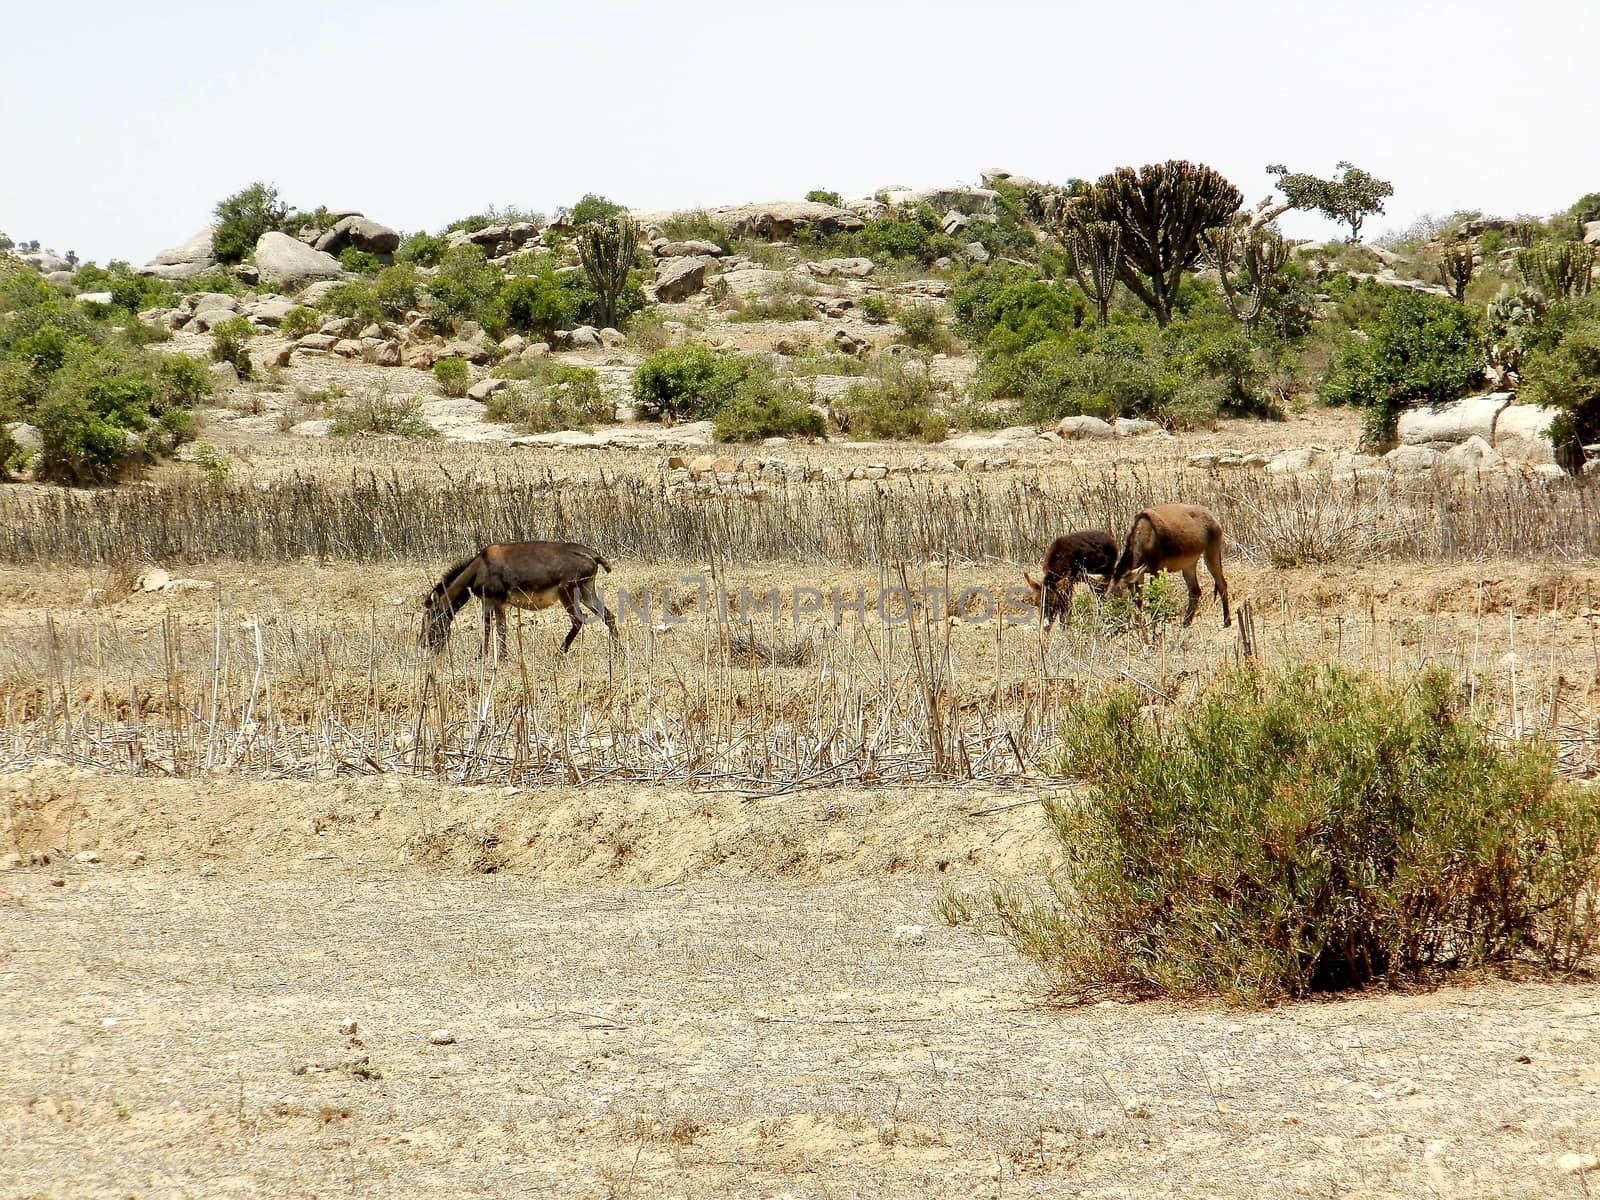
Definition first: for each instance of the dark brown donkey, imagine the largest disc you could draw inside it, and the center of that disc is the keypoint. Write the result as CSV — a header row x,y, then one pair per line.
x,y
1071,557
1174,537
530,575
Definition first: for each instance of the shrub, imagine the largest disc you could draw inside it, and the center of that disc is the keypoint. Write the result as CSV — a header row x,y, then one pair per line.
x,y
594,209
875,309
378,413
467,288
782,300
422,250
181,382
79,446
228,341
819,196
1309,830
300,320
453,376
894,238
688,381
922,326
554,397
540,303
763,407
897,403
1422,349
693,226
362,262
241,220
1564,372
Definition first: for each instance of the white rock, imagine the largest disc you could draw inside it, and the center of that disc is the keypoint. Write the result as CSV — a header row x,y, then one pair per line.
x,y
1133,427
154,579
1471,417
1085,427
1523,433
1295,462
1473,456
287,262
442,1037
909,935
1405,460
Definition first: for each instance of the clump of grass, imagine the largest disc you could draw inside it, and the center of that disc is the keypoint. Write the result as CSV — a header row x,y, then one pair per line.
x,y
1307,830
923,327
453,376
784,300
897,402
373,413
552,397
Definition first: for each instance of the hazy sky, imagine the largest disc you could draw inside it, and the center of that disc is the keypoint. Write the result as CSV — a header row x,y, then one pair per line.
x,y
123,124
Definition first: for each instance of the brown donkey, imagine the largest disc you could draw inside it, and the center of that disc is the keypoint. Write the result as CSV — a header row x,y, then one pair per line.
x,y
1174,537
1071,557
531,575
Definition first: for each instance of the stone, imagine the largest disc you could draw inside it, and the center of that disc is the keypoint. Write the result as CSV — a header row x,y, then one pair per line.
x,y
246,273
1133,427
681,277
535,352
473,352
317,341
688,249
185,261
347,348
966,200
611,338
1591,232
95,298
316,427
1473,456
348,1027
442,1037
289,263
196,301
1295,462
418,358
847,343
25,437
270,312
1452,423
777,220
317,292
852,268
386,354
954,222
87,858
1523,433
514,345
977,252
909,935
360,232
224,375
485,388
1075,428
203,320
1405,460
153,579
584,337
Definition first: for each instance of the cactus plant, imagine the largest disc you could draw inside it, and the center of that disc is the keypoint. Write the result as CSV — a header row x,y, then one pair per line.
x,y
1259,252
1094,253
1456,264
1561,270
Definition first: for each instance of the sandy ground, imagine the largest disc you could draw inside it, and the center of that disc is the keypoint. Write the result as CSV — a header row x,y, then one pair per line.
x,y
173,1032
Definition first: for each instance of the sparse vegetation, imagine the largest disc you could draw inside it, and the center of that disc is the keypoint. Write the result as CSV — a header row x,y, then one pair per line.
x,y
549,397
229,343
453,376
374,412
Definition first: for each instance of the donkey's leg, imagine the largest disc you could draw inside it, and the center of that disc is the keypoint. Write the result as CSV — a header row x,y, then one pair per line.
x,y
488,624
1191,576
1219,583
589,594
569,601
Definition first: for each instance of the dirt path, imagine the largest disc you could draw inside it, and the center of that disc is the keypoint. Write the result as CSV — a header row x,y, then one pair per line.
x,y
173,1033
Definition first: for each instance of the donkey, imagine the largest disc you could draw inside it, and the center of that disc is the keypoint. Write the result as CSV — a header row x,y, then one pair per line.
x,y
1174,537
531,575
1071,557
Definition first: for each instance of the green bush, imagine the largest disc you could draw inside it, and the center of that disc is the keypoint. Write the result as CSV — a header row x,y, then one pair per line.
x,y
129,291
362,262
467,288
764,407
594,208
1312,829
1422,349
181,382
453,376
694,225
300,320
241,220
388,296
541,303
916,239
688,381
228,344
422,250
897,403
554,397
875,309
1563,371
782,300
922,326
79,446
820,196
377,413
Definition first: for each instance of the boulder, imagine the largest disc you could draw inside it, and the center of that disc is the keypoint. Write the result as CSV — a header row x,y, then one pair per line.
x,y
270,312
1074,428
202,300
205,318
386,354
1453,423
418,358
976,251
360,232
26,437
853,268
954,222
224,375
1523,433
348,348
317,341
1409,460
534,352
1133,427
471,351
965,200
95,298
689,249
1472,457
191,258
1295,462
287,262
485,388
776,221
681,277
584,337
1591,232
514,345
611,338
318,292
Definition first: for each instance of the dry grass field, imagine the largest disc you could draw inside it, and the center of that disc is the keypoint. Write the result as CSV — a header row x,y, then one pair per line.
x,y
659,895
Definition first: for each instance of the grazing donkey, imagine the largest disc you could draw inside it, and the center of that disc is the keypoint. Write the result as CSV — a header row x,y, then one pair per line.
x,y
1174,537
531,575
1071,557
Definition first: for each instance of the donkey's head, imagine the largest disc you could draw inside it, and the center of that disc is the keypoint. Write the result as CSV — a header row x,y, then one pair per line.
x,y
437,613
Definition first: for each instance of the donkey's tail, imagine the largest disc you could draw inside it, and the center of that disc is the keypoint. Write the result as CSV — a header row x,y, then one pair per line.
x,y
1125,562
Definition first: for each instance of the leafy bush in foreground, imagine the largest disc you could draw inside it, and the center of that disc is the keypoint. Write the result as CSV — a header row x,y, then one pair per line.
x,y
688,381
453,376
1309,830
764,407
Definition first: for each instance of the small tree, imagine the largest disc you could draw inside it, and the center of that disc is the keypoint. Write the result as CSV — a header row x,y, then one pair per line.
x,y
242,218
5,242
608,250
1256,253
1456,264
821,196
1349,199
594,208
1162,211
1094,252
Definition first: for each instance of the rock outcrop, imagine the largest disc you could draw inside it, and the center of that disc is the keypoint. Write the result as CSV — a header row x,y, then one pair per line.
x,y
286,262
186,261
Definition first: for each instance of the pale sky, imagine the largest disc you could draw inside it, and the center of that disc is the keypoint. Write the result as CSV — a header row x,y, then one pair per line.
x,y
123,124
